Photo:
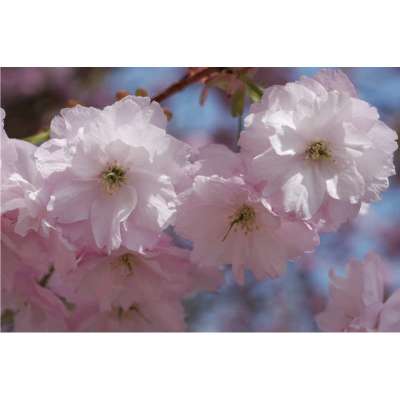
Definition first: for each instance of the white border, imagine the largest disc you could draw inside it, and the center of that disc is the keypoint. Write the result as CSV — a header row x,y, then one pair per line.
x,y
208,32
183,33
199,366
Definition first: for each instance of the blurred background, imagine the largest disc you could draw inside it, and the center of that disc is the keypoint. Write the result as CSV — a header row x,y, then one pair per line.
x,y
32,96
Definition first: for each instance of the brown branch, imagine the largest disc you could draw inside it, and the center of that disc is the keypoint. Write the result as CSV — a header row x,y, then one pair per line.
x,y
187,80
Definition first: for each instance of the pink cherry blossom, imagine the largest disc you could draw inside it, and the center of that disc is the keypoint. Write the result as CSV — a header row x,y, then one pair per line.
x,y
22,186
113,224
137,291
389,318
330,79
39,252
316,148
116,170
229,223
152,316
26,227
27,305
357,300
33,307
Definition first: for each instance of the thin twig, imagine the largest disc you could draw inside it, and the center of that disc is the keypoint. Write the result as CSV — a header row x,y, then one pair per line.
x,y
187,80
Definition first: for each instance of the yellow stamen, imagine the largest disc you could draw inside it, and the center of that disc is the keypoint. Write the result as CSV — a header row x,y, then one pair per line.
x,y
245,217
113,177
318,151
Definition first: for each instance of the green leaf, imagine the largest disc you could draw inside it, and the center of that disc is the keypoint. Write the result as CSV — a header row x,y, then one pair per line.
x,y
237,104
38,138
253,91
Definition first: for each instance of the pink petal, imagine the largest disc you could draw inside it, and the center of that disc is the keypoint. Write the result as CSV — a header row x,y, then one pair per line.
x,y
108,212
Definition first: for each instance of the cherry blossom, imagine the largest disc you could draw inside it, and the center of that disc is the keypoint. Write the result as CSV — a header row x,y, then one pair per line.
x,y
26,225
22,186
317,148
229,223
113,224
133,291
117,172
357,300
27,305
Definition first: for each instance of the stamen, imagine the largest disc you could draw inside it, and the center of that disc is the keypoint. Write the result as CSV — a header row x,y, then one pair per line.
x,y
127,261
318,151
245,217
113,178
122,313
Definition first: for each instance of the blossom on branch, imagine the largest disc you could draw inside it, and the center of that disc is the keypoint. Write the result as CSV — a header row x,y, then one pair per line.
x,y
319,150
229,223
116,170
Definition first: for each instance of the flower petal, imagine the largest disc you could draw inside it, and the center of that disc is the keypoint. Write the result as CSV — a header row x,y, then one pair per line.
x,y
107,214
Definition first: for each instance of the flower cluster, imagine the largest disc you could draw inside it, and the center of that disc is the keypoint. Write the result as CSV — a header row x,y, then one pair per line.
x,y
357,300
92,218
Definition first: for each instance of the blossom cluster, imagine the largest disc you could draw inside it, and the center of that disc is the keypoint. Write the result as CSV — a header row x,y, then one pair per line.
x,y
92,219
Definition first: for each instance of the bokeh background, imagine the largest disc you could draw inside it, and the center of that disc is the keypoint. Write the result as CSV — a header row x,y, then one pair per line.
x,y
32,96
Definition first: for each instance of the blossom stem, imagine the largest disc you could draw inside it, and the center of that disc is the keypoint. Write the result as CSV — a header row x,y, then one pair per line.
x,y
189,78
239,130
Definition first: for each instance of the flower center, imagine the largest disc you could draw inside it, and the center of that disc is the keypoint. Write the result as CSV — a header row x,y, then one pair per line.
x,y
122,313
127,262
245,218
318,151
113,177
128,313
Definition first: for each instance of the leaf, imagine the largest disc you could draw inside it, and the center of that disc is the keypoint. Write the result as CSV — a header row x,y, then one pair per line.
x,y
237,104
39,138
253,91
